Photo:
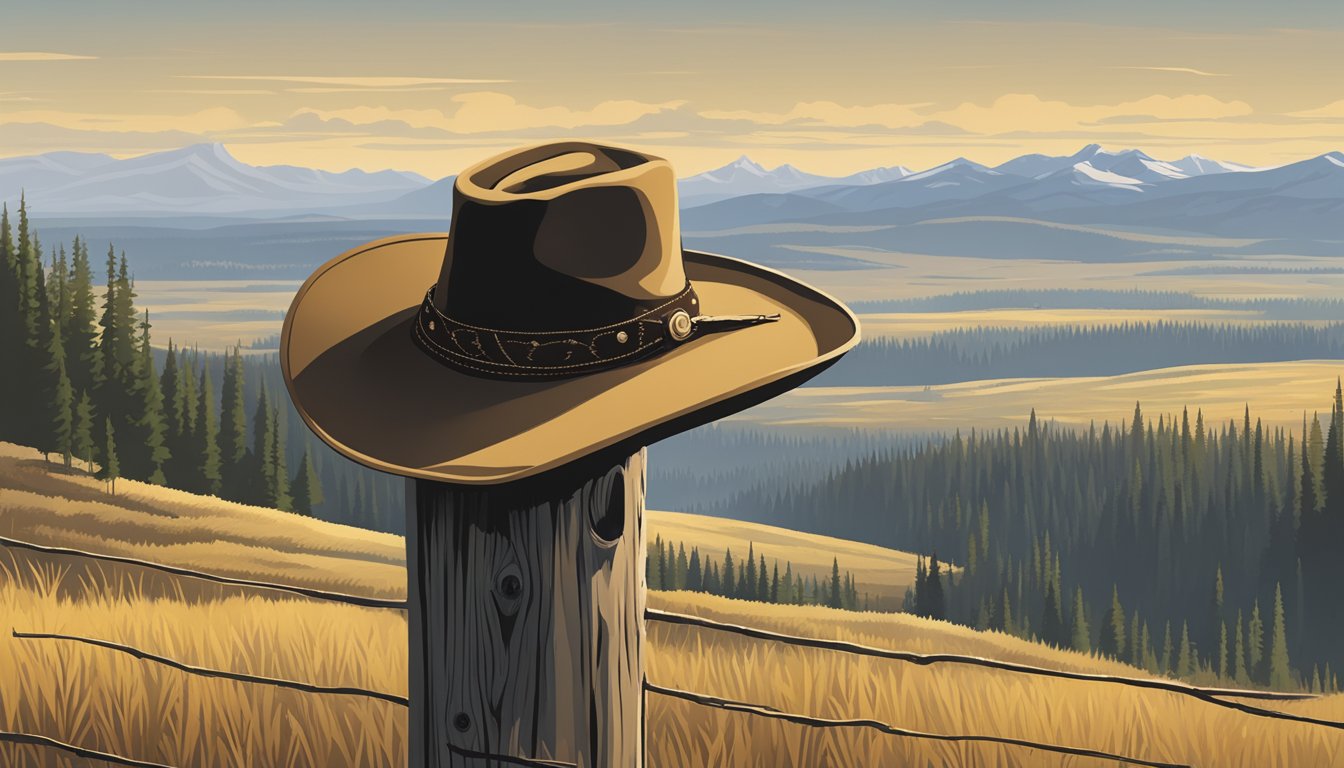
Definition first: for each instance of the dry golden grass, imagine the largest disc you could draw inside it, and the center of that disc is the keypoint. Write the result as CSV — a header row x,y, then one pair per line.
x,y
881,573
103,699
939,699
109,701
44,504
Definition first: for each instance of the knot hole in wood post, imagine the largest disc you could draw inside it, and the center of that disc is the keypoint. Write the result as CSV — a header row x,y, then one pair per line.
x,y
607,521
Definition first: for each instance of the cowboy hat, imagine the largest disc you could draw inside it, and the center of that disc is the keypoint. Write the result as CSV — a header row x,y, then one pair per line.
x,y
559,317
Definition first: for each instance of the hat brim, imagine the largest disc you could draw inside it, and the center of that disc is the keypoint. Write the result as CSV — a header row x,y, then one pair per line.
x,y
360,382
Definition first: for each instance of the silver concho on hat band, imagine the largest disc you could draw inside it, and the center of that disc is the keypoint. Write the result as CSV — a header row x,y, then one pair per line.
x,y
679,325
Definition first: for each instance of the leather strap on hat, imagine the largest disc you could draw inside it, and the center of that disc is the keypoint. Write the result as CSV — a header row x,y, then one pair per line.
x,y
525,355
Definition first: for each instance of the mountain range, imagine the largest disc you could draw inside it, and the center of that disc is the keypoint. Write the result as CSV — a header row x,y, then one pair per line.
x,y
198,179
205,179
1302,200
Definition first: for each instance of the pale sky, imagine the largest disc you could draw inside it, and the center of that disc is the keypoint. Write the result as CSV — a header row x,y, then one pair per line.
x,y
831,88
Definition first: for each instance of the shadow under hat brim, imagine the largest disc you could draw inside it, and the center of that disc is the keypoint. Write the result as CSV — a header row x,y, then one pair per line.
x,y
362,384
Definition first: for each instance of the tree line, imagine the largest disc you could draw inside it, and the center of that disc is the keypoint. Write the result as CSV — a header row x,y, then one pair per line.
x,y
84,382
1106,350
1100,298
1198,550
671,567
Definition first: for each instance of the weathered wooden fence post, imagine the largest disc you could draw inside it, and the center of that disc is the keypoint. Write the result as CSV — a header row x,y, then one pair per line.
x,y
526,618
511,367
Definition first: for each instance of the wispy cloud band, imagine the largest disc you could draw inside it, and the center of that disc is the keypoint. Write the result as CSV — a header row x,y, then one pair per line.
x,y
42,56
1179,70
355,82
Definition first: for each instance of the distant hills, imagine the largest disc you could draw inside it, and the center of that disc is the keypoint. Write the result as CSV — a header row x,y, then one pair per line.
x,y
199,179
744,176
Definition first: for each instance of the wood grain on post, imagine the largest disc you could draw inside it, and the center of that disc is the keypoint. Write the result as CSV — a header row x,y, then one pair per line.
x,y
526,605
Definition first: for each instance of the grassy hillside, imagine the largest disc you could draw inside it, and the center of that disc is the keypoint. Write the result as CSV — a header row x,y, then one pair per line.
x,y
100,698
882,574
44,504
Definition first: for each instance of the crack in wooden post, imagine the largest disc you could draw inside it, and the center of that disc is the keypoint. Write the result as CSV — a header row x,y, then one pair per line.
x,y
526,617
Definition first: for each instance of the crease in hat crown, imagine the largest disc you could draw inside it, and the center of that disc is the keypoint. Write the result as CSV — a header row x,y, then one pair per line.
x,y
563,235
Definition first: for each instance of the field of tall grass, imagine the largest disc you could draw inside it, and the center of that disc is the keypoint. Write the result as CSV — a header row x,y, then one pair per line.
x,y
100,698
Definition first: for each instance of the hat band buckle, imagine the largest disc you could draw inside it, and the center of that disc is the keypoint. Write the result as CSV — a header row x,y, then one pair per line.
x,y
532,355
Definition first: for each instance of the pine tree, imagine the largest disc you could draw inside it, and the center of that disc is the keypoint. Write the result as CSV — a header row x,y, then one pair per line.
x,y
919,596
58,289
1239,653
124,310
206,439
833,596
762,581
728,580
1185,659
747,585
62,404
1280,674
82,435
661,566
1134,644
774,584
232,428
1222,651
1080,635
146,460
11,327
1316,455
105,371
111,468
708,583
78,333
1168,662
1113,627
937,603
262,459
1146,643
1052,629
177,412
1215,620
695,578
305,485
1255,645
279,492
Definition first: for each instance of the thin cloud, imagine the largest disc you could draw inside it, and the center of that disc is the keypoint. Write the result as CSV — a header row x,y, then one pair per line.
x,y
1181,70
41,56
215,92
356,82
406,89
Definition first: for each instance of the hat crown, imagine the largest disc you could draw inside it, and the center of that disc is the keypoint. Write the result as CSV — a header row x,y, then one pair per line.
x,y
562,235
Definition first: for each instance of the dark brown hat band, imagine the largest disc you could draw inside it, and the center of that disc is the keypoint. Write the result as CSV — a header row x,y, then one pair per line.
x,y
552,354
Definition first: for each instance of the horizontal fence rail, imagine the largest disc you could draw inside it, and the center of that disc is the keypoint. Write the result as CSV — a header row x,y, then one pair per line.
x,y
695,698
216,673
731,705
1209,695
318,594
32,739
1215,696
